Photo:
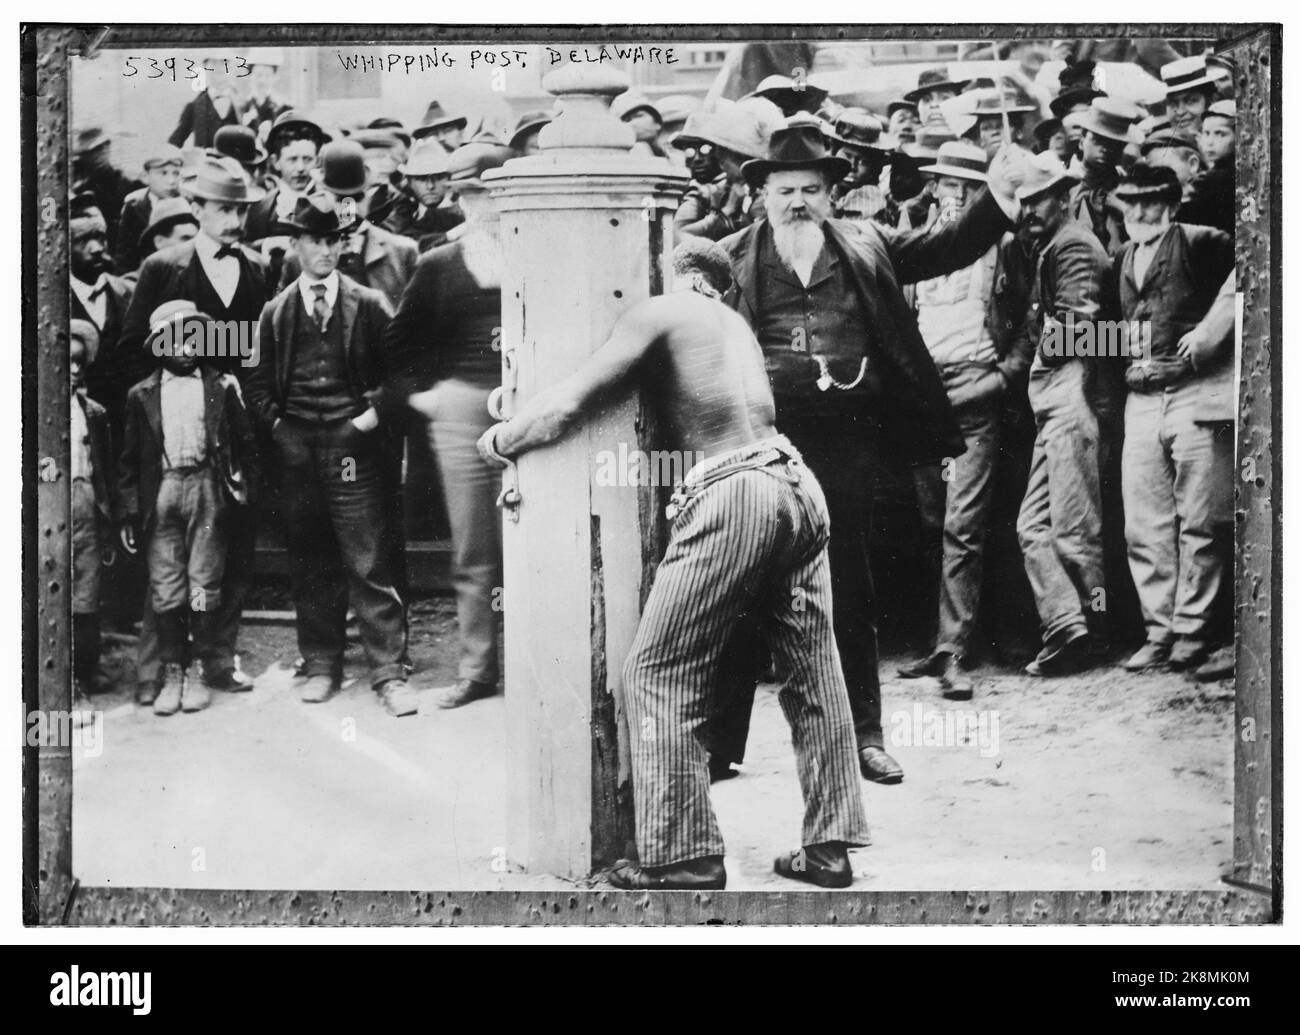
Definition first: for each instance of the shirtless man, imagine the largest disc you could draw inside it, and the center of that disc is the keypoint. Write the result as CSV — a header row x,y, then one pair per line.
x,y
749,533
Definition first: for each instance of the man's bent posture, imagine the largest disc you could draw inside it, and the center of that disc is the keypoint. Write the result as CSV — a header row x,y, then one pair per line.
x,y
749,534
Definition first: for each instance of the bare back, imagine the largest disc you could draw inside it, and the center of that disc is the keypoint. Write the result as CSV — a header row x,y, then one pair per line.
x,y
707,373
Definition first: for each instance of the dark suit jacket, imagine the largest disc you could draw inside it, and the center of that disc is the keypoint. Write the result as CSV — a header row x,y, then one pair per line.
x,y
231,446
389,260
365,313
135,217
916,419
177,272
104,476
116,368
430,230
199,117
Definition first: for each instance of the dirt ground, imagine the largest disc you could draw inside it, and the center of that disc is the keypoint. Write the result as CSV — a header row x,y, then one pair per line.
x,y
1100,781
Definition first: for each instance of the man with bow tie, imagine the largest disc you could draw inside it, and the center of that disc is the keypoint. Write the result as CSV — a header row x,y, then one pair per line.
x,y
228,281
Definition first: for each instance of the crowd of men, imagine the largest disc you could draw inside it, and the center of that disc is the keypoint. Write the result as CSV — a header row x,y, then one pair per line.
x,y
928,285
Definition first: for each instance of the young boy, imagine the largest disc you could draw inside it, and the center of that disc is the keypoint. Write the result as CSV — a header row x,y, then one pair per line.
x,y
93,506
189,458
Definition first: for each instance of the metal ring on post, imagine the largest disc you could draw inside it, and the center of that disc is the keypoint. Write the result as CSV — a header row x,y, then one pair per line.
x,y
494,402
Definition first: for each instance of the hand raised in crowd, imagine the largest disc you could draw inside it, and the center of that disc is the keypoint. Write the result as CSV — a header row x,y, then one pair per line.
x,y
1007,170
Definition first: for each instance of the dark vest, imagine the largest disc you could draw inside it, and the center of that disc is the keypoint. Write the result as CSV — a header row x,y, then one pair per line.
x,y
246,305
796,324
1173,298
319,388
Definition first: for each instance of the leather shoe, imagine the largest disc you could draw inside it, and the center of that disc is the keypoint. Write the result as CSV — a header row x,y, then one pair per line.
x,y
168,701
1063,653
1188,653
826,865
146,692
1220,665
931,666
704,874
463,692
397,697
1149,655
954,680
195,696
317,689
231,680
878,767
720,769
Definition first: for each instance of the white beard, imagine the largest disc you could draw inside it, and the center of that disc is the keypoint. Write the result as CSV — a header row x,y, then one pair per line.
x,y
1144,232
481,250
799,243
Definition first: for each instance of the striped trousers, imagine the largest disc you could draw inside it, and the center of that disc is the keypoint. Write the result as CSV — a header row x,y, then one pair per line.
x,y
750,535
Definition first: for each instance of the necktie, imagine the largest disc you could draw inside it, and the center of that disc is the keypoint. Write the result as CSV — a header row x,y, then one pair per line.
x,y
230,251
98,290
319,309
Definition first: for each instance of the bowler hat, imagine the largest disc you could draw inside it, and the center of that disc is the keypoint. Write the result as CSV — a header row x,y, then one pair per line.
x,y
1061,104
467,164
961,159
428,158
239,143
220,179
898,105
528,123
343,167
165,215
163,154
1186,74
934,79
1044,172
1153,182
290,121
1113,119
85,332
799,144
436,118
318,215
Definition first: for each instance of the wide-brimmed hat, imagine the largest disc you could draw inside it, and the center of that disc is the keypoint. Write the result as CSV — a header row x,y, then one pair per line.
x,y
1149,181
171,317
427,158
799,144
789,94
318,215
163,154
239,143
165,215
467,164
393,125
435,118
990,101
961,159
1043,172
1186,74
87,333
290,120
1113,119
220,179
528,122
1061,104
343,167
727,124
857,127
630,101
924,151
934,79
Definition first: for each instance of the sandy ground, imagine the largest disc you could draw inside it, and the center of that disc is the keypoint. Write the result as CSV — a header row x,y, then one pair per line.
x,y
1102,781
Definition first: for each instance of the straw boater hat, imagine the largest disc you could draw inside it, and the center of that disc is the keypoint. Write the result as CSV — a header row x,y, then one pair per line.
x,y
1152,182
165,215
961,159
436,118
934,79
220,179
1113,119
318,215
1044,172
428,158
799,144
1187,74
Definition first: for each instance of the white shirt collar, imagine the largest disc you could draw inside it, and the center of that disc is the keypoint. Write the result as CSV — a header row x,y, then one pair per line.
x,y
207,248
306,282
171,375
84,290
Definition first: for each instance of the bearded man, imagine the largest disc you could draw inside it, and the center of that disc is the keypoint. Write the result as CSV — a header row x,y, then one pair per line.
x,y
852,378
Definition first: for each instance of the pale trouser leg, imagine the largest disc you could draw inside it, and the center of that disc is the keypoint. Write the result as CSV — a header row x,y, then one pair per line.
x,y
1150,522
